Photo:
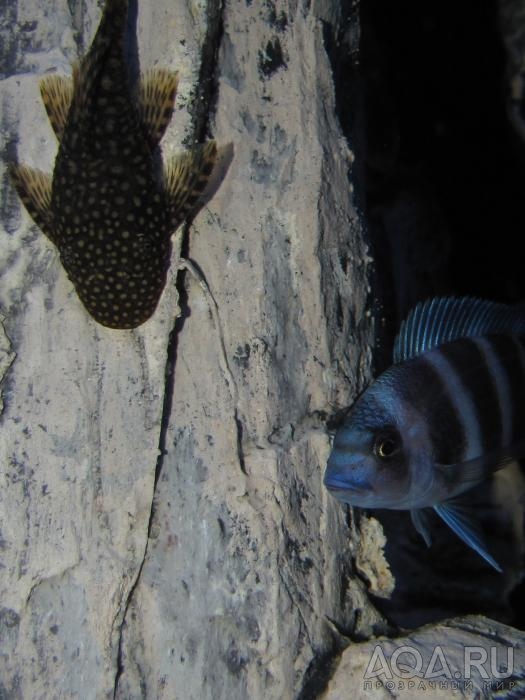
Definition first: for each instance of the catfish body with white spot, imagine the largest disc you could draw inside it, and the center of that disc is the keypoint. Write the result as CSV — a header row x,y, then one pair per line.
x,y
442,419
109,207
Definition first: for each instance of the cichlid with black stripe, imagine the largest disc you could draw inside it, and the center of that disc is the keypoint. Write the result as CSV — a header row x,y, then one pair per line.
x,y
447,414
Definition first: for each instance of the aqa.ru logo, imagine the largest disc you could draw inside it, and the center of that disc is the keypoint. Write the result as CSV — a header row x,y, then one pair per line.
x,y
407,664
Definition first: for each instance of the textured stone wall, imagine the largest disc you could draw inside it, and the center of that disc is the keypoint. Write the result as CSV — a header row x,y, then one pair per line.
x,y
469,657
164,529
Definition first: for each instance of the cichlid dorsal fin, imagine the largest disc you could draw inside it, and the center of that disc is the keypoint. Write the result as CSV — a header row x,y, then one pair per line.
x,y
57,95
156,99
442,319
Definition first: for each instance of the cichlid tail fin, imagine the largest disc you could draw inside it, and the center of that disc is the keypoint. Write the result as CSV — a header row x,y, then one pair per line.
x,y
467,528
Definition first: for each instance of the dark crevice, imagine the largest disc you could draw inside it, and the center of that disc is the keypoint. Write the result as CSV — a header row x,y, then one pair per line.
x,y
169,379
323,665
204,101
319,672
443,171
341,43
206,94
442,186
171,361
202,108
240,451
438,181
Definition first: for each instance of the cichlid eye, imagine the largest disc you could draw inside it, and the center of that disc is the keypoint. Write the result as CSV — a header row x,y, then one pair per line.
x,y
386,446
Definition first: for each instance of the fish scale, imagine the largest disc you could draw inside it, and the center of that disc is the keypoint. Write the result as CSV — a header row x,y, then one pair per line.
x,y
110,207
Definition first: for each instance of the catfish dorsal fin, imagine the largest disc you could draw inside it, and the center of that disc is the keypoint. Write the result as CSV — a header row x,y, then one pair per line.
x,y
443,319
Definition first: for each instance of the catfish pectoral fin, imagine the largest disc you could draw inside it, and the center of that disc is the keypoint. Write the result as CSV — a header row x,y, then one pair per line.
x,y
156,99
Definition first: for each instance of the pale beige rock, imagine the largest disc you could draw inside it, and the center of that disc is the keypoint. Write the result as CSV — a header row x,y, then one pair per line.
x,y
247,562
80,427
370,561
469,657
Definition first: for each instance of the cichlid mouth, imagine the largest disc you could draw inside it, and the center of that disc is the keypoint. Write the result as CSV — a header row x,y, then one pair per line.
x,y
336,485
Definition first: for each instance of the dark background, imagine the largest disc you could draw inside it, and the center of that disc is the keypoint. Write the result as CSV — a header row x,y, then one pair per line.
x,y
439,176
443,167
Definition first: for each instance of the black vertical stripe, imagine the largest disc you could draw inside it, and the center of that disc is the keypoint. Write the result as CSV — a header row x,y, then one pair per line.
x,y
518,395
508,350
421,385
470,364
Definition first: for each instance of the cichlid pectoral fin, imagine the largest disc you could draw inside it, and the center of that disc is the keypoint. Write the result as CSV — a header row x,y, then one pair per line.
x,y
57,95
467,528
156,100
480,468
34,189
420,522
186,177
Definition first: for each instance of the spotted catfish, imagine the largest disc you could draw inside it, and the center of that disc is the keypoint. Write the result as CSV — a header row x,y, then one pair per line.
x,y
110,207
444,417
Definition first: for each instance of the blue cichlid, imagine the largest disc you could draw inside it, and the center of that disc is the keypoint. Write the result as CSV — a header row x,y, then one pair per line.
x,y
443,418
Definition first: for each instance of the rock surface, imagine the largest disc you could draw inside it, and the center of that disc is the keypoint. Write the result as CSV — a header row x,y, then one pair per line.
x,y
164,531
215,565
469,657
